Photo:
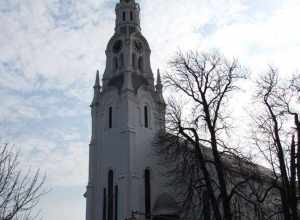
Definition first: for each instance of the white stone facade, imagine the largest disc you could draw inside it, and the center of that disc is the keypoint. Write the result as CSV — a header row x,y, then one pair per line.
x,y
127,112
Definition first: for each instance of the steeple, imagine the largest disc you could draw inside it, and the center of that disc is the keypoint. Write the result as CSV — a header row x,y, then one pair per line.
x,y
128,53
127,112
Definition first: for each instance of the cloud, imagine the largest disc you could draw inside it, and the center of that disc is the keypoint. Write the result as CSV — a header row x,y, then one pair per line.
x,y
273,41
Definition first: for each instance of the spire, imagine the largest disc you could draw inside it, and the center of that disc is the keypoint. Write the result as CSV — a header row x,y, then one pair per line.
x,y
97,90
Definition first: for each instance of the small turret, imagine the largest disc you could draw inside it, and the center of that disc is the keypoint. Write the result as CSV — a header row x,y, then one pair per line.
x,y
97,90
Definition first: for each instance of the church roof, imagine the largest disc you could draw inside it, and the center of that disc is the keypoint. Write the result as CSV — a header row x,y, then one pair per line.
x,y
165,205
233,163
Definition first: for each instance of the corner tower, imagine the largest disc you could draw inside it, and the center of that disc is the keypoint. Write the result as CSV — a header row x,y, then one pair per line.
x,y
127,112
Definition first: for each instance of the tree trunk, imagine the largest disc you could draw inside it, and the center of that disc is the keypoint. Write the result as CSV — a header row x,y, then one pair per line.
x,y
200,159
297,122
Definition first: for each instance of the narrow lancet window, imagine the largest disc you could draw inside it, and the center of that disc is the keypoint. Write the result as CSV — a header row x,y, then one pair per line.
x,y
133,60
104,205
116,201
146,117
110,115
116,64
124,16
110,195
147,194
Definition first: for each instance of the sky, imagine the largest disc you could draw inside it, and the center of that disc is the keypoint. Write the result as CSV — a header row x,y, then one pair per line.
x,y
50,51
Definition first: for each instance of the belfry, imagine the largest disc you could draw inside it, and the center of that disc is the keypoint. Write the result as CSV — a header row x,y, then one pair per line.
x,y
128,110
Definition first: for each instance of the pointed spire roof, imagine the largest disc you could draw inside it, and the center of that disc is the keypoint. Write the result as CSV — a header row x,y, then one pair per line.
x,y
97,81
158,82
97,90
159,87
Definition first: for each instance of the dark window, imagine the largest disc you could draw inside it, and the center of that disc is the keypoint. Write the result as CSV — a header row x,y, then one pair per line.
x,y
147,194
141,64
146,118
110,117
116,201
104,205
131,16
124,16
116,63
110,194
133,60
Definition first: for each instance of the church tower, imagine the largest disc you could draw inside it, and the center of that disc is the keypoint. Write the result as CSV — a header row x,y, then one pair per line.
x,y
128,110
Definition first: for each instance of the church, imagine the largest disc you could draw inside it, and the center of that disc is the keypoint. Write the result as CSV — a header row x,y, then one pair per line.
x,y
127,110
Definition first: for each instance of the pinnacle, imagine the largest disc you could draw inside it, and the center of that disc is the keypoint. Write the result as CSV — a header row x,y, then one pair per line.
x,y
97,81
158,78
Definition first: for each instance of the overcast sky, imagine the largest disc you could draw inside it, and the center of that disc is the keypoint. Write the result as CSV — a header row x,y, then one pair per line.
x,y
50,51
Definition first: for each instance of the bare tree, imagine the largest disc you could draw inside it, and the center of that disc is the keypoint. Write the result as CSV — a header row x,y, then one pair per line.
x,y
19,191
277,135
207,82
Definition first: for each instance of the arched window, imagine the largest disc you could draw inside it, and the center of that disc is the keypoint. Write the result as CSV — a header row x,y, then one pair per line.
x,y
124,15
146,117
131,16
147,194
116,201
141,63
110,115
116,63
110,183
133,60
